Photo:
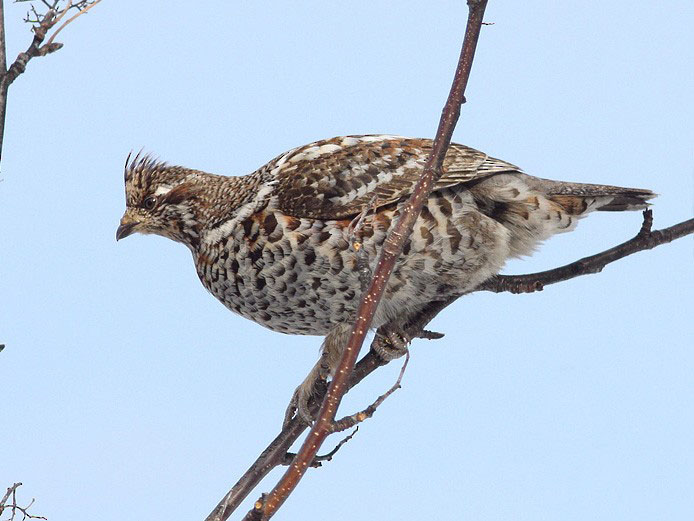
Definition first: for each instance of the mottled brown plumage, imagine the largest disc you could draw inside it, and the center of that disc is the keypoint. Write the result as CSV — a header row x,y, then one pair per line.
x,y
277,245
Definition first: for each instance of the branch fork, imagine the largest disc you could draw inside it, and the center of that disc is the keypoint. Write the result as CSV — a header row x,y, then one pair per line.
x,y
43,24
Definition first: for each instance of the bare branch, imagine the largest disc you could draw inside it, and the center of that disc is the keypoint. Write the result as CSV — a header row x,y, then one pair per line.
x,y
42,23
318,460
644,240
274,454
354,419
13,507
80,12
390,251
53,6
10,490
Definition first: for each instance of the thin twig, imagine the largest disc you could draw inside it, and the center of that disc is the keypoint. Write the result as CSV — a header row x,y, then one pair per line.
x,y
14,507
10,491
43,24
69,20
354,419
318,460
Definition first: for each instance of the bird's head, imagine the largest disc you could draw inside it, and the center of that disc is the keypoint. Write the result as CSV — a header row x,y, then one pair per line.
x,y
161,199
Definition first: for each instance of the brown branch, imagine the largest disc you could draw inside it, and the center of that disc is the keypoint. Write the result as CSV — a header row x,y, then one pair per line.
x,y
19,65
43,24
644,240
274,454
268,505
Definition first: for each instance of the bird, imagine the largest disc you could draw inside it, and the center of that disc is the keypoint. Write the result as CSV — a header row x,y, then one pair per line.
x,y
286,246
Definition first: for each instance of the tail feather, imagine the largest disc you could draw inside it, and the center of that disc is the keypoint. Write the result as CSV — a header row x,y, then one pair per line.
x,y
534,209
628,201
578,198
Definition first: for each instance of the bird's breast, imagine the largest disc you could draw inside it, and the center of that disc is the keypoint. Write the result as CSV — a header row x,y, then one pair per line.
x,y
292,275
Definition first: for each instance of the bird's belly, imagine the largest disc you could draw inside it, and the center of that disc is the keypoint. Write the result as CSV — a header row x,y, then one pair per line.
x,y
304,276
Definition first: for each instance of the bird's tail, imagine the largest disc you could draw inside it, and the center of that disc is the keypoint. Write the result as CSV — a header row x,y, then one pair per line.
x,y
580,198
534,209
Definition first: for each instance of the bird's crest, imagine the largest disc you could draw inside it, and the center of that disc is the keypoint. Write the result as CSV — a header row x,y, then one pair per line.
x,y
140,163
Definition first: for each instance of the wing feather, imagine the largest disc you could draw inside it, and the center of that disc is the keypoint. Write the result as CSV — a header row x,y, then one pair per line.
x,y
338,178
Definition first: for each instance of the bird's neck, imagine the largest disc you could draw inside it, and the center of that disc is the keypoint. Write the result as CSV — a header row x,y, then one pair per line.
x,y
215,200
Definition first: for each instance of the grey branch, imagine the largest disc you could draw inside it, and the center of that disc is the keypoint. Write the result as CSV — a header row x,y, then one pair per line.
x,y
12,507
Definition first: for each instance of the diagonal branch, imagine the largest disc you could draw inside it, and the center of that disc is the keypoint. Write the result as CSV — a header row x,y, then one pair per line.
x,y
35,48
274,454
355,419
267,506
644,240
318,461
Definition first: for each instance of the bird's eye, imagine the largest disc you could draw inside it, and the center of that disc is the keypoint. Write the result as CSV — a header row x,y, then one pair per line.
x,y
149,202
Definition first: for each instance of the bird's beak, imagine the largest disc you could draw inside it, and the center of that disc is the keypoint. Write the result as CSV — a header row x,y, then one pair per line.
x,y
128,226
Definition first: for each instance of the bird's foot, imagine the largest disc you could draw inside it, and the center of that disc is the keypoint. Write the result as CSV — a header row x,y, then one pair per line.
x,y
313,387
391,343
304,404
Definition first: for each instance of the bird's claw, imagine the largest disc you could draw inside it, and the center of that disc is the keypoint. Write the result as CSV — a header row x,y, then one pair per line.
x,y
301,405
298,407
392,344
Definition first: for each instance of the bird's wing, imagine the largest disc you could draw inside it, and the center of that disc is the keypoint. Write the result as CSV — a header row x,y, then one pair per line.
x,y
340,177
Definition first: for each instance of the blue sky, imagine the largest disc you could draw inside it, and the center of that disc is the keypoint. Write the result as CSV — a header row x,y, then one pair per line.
x,y
129,392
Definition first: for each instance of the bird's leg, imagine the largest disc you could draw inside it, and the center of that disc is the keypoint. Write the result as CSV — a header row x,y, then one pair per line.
x,y
331,352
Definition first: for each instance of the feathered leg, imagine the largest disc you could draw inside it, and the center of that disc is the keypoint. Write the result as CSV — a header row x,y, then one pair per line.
x,y
331,352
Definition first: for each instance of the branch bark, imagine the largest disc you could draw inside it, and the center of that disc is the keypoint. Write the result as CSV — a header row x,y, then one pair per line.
x,y
266,507
274,455
3,74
